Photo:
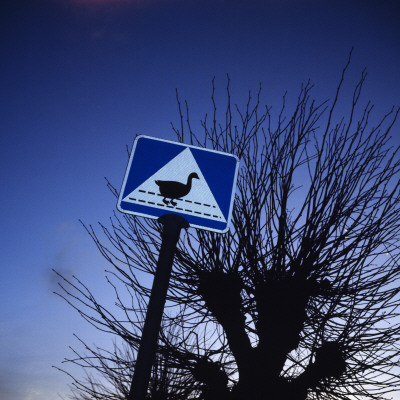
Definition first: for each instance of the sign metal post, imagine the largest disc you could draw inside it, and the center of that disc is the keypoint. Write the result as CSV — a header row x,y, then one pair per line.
x,y
172,225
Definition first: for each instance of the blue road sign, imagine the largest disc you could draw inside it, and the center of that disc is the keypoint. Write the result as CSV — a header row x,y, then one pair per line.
x,y
165,177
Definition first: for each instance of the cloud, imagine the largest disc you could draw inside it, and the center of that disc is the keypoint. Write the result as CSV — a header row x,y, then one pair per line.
x,y
72,248
73,253
10,383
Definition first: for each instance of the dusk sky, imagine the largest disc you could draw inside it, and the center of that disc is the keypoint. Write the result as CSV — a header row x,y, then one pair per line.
x,y
80,78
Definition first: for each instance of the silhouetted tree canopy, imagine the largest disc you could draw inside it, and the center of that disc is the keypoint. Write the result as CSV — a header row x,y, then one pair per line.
x,y
299,300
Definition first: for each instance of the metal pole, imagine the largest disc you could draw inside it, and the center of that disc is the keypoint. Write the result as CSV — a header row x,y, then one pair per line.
x,y
172,225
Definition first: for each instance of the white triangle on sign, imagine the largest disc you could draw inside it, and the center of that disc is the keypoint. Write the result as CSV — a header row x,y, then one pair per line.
x,y
199,202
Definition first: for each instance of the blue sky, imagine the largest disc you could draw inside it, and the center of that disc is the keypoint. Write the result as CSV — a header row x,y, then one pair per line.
x,y
80,78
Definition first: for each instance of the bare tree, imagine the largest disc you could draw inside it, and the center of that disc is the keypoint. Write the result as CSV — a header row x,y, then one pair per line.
x,y
108,373
299,300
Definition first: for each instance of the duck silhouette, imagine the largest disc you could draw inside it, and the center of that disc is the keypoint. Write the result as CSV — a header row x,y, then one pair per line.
x,y
175,190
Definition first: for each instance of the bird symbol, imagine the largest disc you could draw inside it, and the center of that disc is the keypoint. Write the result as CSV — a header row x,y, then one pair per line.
x,y
175,190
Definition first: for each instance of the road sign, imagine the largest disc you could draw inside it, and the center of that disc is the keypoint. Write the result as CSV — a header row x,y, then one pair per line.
x,y
165,177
